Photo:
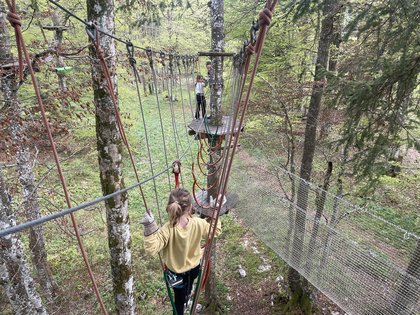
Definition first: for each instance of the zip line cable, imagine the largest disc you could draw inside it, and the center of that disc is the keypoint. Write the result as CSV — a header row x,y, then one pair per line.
x,y
89,25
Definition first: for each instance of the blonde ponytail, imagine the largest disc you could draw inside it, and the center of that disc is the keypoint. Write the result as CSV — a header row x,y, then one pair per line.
x,y
179,203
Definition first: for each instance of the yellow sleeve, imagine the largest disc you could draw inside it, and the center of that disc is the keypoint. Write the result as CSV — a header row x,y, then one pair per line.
x,y
207,229
154,243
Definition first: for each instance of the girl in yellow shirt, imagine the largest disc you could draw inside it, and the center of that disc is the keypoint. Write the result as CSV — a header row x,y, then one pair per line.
x,y
178,241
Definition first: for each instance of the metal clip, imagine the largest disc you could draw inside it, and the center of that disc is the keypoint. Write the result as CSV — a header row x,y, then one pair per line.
x,y
91,30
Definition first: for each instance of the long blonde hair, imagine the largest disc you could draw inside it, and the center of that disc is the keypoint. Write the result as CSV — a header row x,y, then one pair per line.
x,y
179,202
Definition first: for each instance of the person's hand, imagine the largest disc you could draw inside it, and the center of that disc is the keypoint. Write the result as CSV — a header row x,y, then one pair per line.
x,y
147,218
149,223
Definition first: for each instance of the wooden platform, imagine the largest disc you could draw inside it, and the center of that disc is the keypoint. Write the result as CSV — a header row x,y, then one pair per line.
x,y
201,127
232,200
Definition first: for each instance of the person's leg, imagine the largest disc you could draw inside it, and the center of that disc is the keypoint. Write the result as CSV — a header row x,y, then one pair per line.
x,y
179,299
197,108
193,274
203,105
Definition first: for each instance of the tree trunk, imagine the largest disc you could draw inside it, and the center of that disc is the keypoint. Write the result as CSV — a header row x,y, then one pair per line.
x,y
320,203
216,89
9,88
329,10
15,276
336,205
109,146
216,73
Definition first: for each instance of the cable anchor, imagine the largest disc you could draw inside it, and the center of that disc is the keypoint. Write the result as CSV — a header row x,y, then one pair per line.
x,y
130,50
91,31
149,54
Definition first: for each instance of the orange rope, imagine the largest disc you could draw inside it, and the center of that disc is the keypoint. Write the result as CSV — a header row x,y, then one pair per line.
x,y
23,52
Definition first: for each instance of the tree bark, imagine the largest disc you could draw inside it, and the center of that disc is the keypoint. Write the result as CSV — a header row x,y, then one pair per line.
x,y
9,87
216,73
329,11
15,276
109,146
216,90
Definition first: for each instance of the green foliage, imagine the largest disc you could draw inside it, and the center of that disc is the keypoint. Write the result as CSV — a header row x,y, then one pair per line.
x,y
377,85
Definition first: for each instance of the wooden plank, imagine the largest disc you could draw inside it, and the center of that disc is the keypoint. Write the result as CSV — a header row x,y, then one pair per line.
x,y
215,54
54,28
200,126
201,207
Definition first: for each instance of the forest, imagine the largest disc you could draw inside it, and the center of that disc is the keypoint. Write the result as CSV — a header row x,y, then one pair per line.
x,y
293,124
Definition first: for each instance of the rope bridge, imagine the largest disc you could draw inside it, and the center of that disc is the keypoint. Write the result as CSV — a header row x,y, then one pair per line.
x,y
362,262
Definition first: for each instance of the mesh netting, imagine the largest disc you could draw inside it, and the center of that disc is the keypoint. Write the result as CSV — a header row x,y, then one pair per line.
x,y
363,263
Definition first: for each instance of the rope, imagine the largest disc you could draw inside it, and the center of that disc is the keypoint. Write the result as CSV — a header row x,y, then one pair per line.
x,y
187,65
132,60
150,56
176,170
14,20
182,100
56,215
171,106
70,13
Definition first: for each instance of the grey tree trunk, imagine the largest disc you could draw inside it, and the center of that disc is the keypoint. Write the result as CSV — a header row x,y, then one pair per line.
x,y
330,8
216,74
15,276
109,146
9,87
216,90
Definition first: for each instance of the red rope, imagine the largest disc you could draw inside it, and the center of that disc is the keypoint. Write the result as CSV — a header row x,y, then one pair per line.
x,y
23,53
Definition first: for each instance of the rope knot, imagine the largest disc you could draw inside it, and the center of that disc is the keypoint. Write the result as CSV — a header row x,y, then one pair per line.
x,y
100,53
265,17
176,167
14,19
250,49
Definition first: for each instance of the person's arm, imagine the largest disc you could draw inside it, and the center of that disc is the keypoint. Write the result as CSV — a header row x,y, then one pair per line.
x,y
208,221
155,238
155,242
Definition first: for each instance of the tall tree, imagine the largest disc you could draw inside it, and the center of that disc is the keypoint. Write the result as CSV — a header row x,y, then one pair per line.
x,y
9,88
216,90
330,9
15,276
216,74
109,146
